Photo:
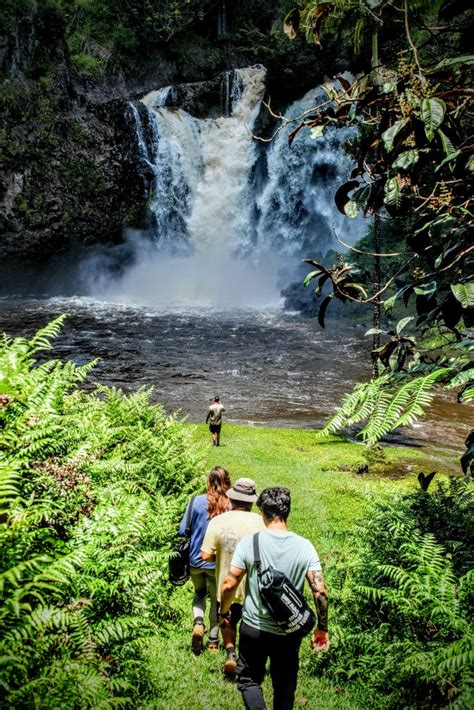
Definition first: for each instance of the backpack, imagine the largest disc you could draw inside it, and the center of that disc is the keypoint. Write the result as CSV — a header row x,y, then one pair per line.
x,y
178,563
286,605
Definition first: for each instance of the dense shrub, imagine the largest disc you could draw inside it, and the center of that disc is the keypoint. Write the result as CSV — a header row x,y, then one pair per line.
x,y
91,488
404,612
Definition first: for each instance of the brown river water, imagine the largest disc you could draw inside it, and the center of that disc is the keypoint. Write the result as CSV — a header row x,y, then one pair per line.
x,y
270,367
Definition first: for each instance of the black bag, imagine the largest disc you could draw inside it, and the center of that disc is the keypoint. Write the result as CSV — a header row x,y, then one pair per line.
x,y
178,564
287,606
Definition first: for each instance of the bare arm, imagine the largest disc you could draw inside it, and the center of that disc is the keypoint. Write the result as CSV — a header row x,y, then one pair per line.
x,y
207,556
229,586
320,638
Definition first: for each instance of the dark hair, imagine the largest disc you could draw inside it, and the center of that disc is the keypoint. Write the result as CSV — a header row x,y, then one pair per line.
x,y
216,398
275,502
241,504
218,483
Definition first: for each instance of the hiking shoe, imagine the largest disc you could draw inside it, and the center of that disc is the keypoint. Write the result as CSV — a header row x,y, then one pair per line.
x,y
230,665
197,637
213,645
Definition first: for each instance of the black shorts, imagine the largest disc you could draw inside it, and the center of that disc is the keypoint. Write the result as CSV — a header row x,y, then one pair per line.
x,y
215,428
235,613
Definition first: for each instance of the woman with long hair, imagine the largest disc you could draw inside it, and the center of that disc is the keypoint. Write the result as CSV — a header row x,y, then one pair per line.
x,y
205,507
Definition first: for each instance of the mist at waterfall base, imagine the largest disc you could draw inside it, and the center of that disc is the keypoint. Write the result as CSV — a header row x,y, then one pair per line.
x,y
200,279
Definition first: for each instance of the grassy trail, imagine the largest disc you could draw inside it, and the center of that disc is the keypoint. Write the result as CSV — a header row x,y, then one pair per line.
x,y
327,499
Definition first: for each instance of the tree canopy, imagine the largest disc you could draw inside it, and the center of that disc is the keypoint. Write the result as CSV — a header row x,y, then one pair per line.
x,y
414,165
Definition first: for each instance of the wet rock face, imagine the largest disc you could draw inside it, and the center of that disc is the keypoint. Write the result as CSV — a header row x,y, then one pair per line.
x,y
72,173
69,172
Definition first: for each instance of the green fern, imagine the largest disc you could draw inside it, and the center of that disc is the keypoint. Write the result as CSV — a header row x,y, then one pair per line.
x,y
384,406
91,488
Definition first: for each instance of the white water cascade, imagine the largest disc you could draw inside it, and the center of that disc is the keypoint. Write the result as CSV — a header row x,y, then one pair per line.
x,y
200,196
227,212
296,211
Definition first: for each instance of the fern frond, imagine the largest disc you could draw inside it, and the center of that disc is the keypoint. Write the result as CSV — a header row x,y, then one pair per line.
x,y
42,339
403,407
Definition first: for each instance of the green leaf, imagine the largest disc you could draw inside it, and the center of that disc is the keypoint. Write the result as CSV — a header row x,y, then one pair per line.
x,y
330,90
405,159
389,86
432,114
470,164
392,192
391,133
402,323
316,132
309,277
448,159
464,294
361,196
445,253
357,287
375,331
425,289
351,209
448,147
389,303
453,61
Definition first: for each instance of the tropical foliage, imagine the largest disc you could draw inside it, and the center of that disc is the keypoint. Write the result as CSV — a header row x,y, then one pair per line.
x,y
397,397
414,162
403,605
91,488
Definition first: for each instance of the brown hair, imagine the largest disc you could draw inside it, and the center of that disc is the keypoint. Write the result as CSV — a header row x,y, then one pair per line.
x,y
218,482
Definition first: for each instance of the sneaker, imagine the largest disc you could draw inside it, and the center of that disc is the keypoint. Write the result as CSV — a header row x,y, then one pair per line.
x,y
213,645
230,665
197,637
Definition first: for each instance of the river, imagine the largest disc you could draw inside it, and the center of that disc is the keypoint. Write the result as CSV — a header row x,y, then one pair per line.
x,y
269,366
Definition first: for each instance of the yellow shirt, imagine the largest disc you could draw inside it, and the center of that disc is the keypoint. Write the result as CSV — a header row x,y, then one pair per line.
x,y
221,538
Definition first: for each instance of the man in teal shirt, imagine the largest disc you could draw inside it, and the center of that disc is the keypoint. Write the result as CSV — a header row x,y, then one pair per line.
x,y
260,636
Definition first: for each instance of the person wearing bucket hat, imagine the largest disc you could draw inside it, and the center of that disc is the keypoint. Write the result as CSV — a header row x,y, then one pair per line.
x,y
221,538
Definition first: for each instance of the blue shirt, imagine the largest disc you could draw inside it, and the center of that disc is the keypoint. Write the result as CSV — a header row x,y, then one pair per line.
x,y
199,523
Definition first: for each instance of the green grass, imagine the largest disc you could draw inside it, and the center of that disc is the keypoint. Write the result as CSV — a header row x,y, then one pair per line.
x,y
328,497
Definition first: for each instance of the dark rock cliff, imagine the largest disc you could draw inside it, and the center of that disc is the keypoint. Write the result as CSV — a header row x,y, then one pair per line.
x,y
69,171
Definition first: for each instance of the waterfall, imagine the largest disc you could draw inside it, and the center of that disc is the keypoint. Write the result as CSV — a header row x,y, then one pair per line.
x,y
226,210
200,190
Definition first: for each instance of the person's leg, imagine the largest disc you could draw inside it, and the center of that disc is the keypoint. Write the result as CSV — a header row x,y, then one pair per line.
x,y
229,637
213,625
218,435
213,435
253,654
198,578
284,666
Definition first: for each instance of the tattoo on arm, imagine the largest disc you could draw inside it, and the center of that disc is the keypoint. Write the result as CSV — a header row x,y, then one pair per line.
x,y
316,582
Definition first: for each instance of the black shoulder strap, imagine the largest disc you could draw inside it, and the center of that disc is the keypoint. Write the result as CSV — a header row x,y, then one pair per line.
x,y
188,517
256,551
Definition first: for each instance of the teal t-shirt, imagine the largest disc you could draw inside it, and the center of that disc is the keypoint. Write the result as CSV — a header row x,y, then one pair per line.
x,y
285,551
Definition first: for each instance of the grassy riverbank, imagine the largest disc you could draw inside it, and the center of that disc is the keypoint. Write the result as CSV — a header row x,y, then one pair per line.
x,y
329,496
